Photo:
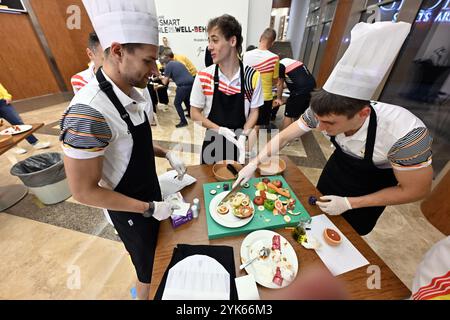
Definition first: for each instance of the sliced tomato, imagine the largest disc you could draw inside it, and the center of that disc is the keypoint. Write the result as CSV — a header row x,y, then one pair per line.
x,y
279,205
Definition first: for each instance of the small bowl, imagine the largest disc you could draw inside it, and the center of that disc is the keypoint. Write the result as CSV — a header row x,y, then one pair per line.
x,y
222,173
274,167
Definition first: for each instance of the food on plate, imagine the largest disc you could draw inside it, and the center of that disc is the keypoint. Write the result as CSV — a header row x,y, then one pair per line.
x,y
237,201
269,204
277,278
312,200
277,183
277,269
222,209
245,202
259,201
332,237
276,244
243,212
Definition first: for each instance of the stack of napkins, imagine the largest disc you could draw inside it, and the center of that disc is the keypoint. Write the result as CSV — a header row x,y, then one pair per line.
x,y
197,277
246,288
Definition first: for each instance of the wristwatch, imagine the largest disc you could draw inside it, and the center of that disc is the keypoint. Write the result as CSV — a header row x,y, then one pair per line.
x,y
150,211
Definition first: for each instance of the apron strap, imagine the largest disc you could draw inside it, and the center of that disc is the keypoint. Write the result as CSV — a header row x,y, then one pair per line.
x,y
216,78
107,88
371,135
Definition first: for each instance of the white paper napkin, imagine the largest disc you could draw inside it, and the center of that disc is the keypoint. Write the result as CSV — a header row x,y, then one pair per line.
x,y
169,184
340,259
197,277
246,288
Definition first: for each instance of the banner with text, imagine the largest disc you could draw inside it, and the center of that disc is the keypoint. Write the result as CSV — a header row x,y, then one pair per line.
x,y
182,24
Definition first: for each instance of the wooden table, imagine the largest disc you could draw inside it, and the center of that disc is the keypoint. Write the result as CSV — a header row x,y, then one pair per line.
x,y
195,232
11,194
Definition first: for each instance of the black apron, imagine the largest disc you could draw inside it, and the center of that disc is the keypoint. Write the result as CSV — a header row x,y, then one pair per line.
x,y
226,111
140,182
349,176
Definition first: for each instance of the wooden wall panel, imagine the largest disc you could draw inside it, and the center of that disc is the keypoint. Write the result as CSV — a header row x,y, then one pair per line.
x,y
24,69
337,31
67,46
281,3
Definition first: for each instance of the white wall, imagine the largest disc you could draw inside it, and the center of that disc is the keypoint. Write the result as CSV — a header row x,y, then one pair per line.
x,y
174,15
296,27
258,19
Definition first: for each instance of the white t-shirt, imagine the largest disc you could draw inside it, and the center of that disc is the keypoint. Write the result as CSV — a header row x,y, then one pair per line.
x,y
82,78
267,63
92,127
402,141
432,279
203,88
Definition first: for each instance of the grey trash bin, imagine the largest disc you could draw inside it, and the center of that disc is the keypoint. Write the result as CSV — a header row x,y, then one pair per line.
x,y
44,175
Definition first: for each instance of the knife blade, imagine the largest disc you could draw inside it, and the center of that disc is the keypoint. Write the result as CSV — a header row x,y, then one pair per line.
x,y
233,191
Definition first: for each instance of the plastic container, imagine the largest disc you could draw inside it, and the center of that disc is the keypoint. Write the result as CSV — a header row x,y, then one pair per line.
x,y
44,176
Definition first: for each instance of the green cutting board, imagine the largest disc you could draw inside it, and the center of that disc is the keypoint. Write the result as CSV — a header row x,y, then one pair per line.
x,y
262,219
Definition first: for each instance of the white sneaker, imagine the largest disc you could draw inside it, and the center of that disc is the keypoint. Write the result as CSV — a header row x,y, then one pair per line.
x,y
41,145
20,150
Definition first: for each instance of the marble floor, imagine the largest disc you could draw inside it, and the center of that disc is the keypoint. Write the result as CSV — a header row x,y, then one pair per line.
x,y
69,251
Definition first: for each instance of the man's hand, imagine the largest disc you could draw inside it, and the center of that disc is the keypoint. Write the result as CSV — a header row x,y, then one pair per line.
x,y
335,206
229,135
176,164
245,174
277,102
163,210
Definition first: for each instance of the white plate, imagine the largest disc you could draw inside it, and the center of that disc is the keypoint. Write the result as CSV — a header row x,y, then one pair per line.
x,y
22,128
228,220
264,270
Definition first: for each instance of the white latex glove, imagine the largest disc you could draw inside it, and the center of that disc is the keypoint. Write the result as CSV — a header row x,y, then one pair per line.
x,y
241,146
335,206
228,134
176,164
163,210
245,174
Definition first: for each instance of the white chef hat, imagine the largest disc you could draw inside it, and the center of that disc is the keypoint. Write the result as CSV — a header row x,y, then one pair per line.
x,y
123,21
372,50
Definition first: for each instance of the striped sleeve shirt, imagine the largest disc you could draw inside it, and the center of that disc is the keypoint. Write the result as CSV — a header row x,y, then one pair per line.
x,y
402,142
83,127
267,63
